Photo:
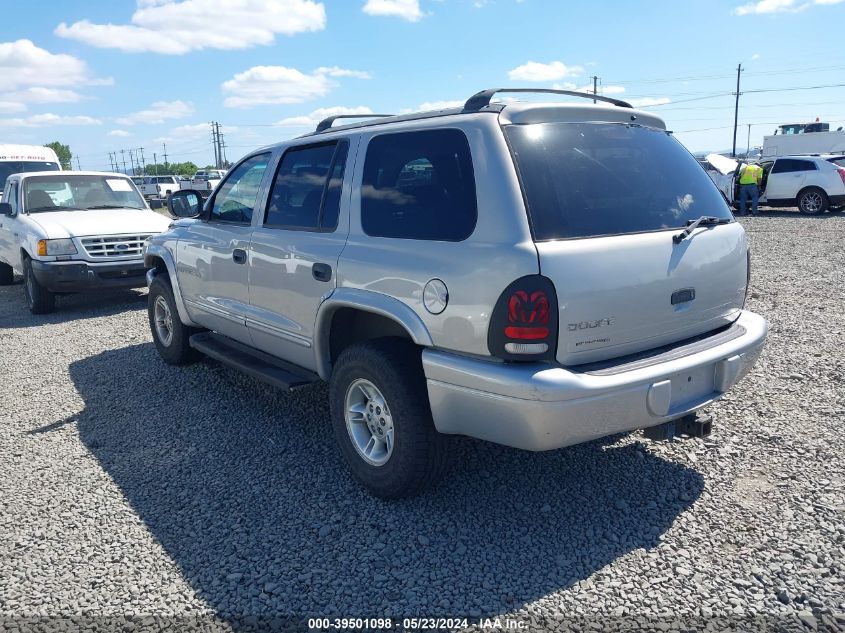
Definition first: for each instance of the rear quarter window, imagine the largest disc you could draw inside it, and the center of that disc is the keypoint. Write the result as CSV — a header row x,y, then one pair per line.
x,y
419,186
590,179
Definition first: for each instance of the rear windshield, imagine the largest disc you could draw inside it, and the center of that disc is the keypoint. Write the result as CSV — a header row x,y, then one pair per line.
x,y
590,179
839,161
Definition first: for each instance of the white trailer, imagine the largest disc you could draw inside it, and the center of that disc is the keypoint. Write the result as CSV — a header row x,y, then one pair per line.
x,y
801,138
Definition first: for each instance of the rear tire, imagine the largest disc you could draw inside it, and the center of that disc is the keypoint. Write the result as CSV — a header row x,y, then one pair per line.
x,y
170,335
39,300
383,379
812,201
7,275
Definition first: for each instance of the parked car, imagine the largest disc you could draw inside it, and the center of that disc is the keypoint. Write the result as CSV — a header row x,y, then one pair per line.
x,y
72,231
812,183
206,180
15,159
159,186
532,274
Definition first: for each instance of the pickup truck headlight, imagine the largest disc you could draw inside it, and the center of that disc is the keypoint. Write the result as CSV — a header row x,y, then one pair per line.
x,y
62,246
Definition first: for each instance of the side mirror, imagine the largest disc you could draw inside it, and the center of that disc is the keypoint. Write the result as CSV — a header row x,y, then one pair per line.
x,y
6,209
185,203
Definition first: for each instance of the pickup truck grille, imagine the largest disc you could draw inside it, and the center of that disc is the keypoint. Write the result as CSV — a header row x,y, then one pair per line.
x,y
114,245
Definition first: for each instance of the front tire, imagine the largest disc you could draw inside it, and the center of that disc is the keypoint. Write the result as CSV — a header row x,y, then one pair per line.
x,y
382,419
812,201
7,275
39,300
170,335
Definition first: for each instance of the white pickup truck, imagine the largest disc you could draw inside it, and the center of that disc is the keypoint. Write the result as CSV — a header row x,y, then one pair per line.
x,y
206,180
68,231
159,186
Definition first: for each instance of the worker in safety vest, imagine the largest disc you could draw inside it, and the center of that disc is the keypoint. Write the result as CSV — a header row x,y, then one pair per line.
x,y
750,178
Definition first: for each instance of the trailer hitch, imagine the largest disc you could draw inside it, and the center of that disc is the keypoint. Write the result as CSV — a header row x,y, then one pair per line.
x,y
692,425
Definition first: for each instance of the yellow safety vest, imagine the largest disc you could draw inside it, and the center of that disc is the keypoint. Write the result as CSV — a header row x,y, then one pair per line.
x,y
750,175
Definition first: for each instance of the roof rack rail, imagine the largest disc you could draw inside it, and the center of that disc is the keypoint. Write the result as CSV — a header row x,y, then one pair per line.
x,y
326,123
482,99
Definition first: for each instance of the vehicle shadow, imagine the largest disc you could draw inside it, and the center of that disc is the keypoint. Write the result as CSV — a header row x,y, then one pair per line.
x,y
244,489
73,307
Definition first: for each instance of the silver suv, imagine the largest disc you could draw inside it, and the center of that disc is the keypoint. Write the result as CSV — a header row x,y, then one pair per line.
x,y
532,274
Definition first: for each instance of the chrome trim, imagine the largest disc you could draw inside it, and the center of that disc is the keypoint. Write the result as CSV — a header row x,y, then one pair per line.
x,y
275,331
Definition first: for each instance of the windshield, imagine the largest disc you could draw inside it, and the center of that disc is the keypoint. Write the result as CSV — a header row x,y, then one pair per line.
x,y
9,167
66,191
591,179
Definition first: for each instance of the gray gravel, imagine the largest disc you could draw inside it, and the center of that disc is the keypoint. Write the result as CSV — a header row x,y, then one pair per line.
x,y
128,487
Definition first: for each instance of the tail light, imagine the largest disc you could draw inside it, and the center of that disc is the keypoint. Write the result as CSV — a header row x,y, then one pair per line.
x,y
524,322
841,174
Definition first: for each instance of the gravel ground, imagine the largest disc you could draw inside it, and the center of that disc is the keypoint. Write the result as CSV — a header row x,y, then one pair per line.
x,y
128,488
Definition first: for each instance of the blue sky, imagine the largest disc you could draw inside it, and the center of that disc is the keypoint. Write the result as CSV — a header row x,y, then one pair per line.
x,y
105,75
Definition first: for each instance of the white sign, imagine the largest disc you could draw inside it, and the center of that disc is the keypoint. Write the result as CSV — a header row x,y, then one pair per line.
x,y
118,184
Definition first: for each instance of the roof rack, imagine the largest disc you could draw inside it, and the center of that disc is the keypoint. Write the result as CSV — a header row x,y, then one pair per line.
x,y
482,99
326,123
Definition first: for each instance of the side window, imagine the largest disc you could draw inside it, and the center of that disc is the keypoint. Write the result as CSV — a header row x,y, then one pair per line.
x,y
306,190
789,165
419,186
13,197
236,197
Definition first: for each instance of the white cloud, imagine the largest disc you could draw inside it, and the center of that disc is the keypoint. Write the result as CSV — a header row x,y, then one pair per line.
x,y
335,71
38,94
49,119
645,102
779,6
119,133
435,105
755,56
11,107
405,9
176,27
537,71
313,118
158,112
192,131
264,85
24,64
611,90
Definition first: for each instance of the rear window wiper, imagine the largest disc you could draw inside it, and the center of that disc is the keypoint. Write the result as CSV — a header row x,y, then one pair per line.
x,y
704,220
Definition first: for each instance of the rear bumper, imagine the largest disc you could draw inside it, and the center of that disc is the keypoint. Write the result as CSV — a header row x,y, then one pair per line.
x,y
540,407
75,276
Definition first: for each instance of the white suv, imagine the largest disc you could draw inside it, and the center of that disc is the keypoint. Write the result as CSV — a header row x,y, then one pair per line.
x,y
812,183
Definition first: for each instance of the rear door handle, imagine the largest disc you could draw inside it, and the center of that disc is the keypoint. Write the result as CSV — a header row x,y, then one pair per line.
x,y
239,256
321,272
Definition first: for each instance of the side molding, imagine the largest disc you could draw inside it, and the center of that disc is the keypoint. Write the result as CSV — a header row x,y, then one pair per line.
x,y
156,251
366,301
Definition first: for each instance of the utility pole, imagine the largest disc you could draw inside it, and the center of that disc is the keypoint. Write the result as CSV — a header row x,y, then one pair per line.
x,y
748,142
143,162
123,156
595,86
225,160
155,163
219,146
736,109
214,143
78,168
132,162
164,145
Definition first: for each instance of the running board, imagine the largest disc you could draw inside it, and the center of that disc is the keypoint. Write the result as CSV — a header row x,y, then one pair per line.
x,y
252,362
